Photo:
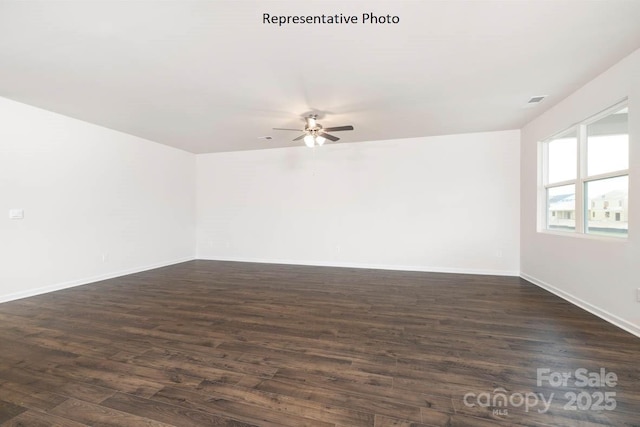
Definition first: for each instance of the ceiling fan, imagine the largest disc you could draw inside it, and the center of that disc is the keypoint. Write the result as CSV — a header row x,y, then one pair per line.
x,y
313,132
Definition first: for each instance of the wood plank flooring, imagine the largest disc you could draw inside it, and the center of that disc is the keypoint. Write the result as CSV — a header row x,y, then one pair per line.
x,y
207,343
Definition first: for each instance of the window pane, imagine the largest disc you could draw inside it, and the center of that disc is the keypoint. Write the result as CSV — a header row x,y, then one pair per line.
x,y
562,154
608,206
608,144
561,208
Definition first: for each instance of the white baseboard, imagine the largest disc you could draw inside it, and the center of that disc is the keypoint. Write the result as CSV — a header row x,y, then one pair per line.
x,y
603,314
367,266
87,280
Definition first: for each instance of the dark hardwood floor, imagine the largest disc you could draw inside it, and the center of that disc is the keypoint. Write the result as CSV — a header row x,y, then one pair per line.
x,y
208,343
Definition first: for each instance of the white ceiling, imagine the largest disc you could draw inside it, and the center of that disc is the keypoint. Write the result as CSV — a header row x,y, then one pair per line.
x,y
209,76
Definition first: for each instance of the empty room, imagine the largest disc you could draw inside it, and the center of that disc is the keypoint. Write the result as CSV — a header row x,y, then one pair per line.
x,y
319,213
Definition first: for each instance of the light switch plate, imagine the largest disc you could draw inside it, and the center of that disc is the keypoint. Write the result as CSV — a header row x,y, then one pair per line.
x,y
16,213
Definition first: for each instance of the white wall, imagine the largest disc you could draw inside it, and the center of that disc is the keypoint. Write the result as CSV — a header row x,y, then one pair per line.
x,y
87,191
599,275
447,203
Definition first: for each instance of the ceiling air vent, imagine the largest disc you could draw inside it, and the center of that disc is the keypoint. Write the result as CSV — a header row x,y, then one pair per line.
x,y
533,101
536,99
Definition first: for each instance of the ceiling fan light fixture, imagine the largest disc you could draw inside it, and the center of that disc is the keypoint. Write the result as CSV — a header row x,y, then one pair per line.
x,y
320,140
309,140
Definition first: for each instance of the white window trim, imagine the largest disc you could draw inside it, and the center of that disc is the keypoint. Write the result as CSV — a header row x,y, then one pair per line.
x,y
579,182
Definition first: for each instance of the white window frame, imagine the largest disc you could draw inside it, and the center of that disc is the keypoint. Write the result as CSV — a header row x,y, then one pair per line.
x,y
581,180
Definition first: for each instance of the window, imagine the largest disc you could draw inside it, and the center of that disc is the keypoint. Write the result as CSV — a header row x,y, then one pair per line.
x,y
585,172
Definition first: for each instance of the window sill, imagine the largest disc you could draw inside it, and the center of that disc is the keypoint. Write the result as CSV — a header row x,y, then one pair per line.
x,y
621,239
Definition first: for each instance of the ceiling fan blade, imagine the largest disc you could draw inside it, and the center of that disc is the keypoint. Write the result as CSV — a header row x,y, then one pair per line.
x,y
297,130
300,137
329,137
338,128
